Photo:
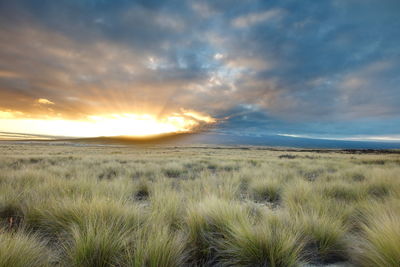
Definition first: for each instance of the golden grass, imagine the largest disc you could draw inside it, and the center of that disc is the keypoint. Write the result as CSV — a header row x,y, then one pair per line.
x,y
179,206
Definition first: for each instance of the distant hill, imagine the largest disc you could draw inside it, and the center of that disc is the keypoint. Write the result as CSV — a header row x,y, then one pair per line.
x,y
212,138
223,139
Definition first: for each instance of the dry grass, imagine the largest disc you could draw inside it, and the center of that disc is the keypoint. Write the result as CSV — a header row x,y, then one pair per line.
x,y
129,206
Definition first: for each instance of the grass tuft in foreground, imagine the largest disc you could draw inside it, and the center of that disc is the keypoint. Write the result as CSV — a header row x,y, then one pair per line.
x,y
270,243
378,242
20,249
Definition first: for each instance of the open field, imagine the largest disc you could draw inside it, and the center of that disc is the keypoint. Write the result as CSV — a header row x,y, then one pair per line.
x,y
180,206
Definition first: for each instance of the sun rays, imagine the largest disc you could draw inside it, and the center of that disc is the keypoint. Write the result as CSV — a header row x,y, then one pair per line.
x,y
121,124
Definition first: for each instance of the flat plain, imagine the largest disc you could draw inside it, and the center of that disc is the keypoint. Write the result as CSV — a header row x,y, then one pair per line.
x,y
77,205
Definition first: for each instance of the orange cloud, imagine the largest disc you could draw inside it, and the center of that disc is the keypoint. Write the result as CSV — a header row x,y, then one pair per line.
x,y
44,101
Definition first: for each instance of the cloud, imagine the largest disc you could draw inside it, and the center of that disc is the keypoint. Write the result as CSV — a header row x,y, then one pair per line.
x,y
44,101
360,91
321,66
249,20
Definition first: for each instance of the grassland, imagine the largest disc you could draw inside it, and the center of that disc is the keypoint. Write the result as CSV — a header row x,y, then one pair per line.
x,y
181,206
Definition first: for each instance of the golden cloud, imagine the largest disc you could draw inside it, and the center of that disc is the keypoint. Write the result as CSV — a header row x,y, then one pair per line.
x,y
44,101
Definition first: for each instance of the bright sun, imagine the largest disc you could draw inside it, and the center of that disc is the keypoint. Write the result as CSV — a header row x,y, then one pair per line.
x,y
139,125
126,124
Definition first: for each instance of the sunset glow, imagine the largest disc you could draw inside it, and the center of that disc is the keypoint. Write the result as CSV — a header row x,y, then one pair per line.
x,y
259,68
126,124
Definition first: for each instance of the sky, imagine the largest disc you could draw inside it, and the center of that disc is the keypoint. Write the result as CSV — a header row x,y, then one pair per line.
x,y
325,69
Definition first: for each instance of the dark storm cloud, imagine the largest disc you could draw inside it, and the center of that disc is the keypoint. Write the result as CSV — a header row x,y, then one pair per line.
x,y
269,67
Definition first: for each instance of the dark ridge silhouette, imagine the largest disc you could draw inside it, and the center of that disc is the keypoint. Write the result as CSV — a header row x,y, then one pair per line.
x,y
168,138
220,139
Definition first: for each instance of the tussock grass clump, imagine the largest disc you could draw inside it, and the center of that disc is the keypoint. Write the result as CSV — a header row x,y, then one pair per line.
x,y
11,209
207,223
254,163
174,170
109,172
323,235
287,156
225,187
195,166
378,242
297,193
168,207
244,183
321,220
11,217
155,245
311,174
229,167
145,173
142,190
357,177
54,218
342,191
273,242
96,244
20,249
379,189
266,190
